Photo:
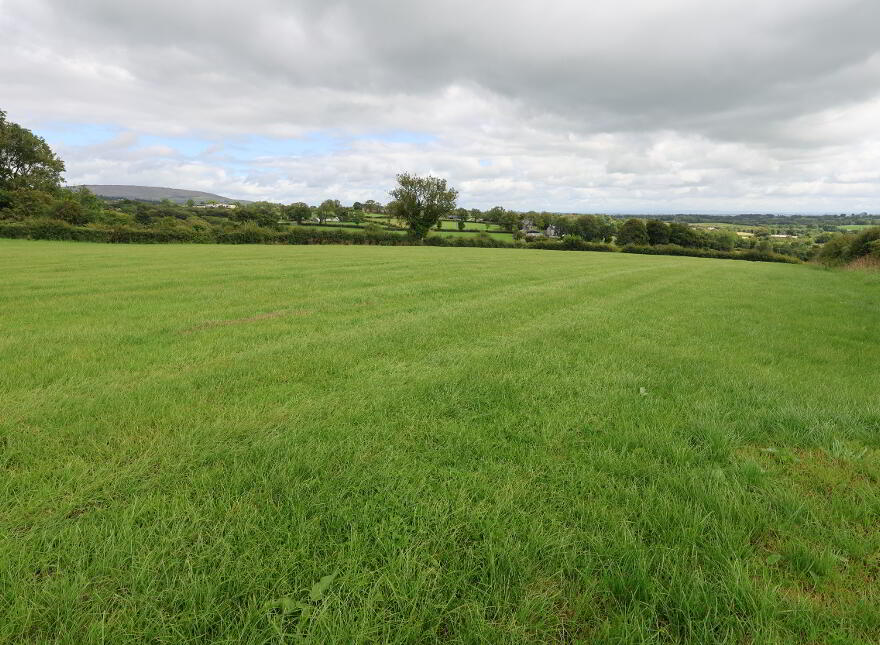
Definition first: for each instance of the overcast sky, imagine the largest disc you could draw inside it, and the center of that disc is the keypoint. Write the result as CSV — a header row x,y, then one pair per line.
x,y
600,106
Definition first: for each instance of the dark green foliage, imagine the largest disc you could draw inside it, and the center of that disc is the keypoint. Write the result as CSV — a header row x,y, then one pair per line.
x,y
658,232
764,246
719,240
683,235
422,201
23,203
70,211
328,208
673,249
632,232
842,249
26,160
571,245
864,243
592,228
259,213
298,212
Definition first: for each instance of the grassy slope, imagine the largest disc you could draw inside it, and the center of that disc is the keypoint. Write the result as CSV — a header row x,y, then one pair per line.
x,y
191,432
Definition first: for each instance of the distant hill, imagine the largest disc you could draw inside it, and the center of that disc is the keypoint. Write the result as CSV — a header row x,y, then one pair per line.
x,y
157,194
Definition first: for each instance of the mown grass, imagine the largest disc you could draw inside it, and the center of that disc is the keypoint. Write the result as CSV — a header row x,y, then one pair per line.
x,y
458,445
452,225
507,237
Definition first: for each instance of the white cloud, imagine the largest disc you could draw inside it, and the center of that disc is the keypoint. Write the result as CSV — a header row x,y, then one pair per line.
x,y
611,105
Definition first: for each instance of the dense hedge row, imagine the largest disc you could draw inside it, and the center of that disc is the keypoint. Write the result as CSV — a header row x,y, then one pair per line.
x,y
50,229
752,255
843,249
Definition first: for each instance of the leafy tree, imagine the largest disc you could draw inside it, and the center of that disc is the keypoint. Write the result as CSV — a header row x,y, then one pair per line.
x,y
494,214
632,232
543,220
328,208
658,232
510,221
298,212
721,240
26,160
422,201
764,246
260,213
461,224
683,235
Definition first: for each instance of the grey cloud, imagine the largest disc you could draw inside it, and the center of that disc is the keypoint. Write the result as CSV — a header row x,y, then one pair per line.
x,y
614,102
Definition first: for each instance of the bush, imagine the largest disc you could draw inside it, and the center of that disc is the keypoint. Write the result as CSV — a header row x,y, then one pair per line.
x,y
674,249
572,245
864,243
836,251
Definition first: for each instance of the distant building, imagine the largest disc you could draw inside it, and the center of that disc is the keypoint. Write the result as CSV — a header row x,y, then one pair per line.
x,y
215,206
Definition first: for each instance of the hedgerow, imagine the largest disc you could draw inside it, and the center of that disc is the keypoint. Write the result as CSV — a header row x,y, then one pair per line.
x,y
251,233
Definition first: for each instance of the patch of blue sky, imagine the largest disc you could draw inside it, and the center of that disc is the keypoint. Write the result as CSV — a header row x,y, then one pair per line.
x,y
236,151
186,146
77,134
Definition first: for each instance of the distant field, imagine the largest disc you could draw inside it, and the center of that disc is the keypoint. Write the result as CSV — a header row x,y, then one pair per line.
x,y
466,446
451,226
495,234
480,226
335,227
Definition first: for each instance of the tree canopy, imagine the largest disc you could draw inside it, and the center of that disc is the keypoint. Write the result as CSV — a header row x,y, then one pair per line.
x,y
26,160
422,201
632,232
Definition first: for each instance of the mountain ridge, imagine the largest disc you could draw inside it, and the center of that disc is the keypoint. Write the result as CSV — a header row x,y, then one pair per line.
x,y
156,193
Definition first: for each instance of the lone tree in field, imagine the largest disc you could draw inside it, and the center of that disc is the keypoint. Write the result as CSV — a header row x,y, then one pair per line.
x,y
26,160
422,201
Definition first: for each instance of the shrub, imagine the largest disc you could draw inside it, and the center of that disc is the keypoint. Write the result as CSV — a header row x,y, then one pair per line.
x,y
864,243
683,235
836,251
673,249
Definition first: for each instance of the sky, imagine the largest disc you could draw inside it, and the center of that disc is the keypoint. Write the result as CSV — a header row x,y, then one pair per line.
x,y
606,106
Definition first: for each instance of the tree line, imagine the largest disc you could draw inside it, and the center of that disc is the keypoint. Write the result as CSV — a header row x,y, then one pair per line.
x,y
31,191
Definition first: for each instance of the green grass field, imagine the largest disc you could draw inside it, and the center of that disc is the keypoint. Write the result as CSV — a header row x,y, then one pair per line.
x,y
457,445
449,225
507,237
